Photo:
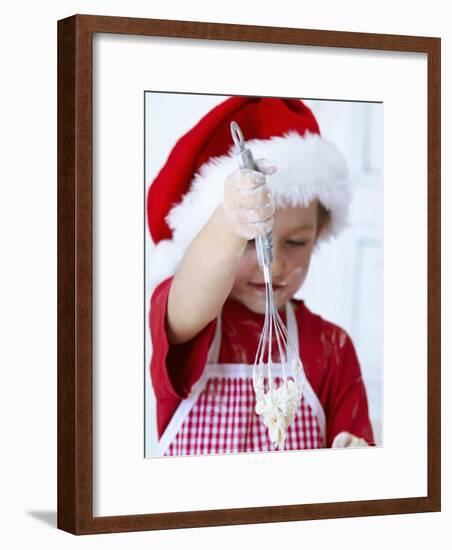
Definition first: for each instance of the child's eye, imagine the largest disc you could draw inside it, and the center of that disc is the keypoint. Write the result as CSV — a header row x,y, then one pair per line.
x,y
291,242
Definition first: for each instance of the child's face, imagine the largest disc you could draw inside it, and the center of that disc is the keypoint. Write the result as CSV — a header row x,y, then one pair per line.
x,y
295,230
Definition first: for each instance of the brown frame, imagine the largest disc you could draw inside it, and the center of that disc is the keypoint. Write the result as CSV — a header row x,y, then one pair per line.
x,y
75,443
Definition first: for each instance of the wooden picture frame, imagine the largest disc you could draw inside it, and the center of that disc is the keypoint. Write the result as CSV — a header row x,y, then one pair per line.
x,y
75,274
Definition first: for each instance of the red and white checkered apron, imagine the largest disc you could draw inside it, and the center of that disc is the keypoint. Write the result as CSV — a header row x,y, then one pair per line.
x,y
219,416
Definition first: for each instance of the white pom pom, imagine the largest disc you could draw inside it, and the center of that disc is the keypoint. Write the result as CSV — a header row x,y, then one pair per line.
x,y
164,259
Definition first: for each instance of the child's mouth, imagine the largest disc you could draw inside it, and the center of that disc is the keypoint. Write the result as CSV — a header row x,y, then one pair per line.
x,y
260,287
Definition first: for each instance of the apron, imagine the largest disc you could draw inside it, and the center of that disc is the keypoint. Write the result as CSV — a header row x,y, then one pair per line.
x,y
219,417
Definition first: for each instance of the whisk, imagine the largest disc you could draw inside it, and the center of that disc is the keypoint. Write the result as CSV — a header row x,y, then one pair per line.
x,y
276,405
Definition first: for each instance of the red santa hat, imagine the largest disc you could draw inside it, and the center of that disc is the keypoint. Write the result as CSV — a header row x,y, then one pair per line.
x,y
189,186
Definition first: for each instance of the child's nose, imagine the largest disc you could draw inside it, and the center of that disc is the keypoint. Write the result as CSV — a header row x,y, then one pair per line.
x,y
277,264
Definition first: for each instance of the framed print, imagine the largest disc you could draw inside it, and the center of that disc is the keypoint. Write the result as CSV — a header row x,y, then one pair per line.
x,y
181,147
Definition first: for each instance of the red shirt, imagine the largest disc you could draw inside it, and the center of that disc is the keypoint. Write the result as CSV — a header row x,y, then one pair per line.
x,y
327,352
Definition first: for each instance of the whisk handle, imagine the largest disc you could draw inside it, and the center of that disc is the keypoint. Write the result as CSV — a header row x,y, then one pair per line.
x,y
264,243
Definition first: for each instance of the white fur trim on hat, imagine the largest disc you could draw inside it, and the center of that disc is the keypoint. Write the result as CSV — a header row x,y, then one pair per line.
x,y
308,167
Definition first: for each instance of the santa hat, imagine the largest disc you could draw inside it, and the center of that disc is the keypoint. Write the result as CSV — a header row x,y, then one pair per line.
x,y
189,187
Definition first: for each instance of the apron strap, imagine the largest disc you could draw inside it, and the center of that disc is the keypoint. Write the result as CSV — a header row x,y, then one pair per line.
x,y
214,350
309,395
292,328
180,414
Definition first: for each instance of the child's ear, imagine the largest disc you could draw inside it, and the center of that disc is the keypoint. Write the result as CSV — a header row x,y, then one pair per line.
x,y
323,219
320,227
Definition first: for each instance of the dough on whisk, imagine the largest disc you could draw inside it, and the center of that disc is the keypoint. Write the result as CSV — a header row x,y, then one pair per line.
x,y
278,408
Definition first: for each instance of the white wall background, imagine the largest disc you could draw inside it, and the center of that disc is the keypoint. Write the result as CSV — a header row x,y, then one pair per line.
x,y
344,283
29,256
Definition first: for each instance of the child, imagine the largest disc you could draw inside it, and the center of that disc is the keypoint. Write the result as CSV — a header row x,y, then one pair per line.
x,y
207,309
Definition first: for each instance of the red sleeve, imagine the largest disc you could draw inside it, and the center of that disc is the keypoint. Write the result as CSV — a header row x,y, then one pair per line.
x,y
347,404
174,368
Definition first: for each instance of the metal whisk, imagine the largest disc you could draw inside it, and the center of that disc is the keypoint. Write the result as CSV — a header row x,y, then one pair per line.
x,y
276,405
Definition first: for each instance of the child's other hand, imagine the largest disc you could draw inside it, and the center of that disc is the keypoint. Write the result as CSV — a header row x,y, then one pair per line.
x,y
248,203
346,439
